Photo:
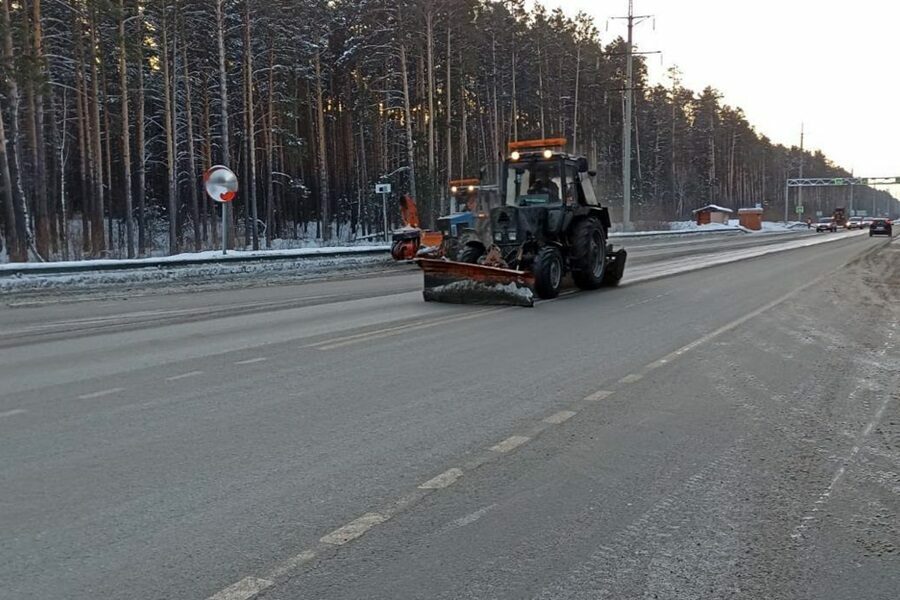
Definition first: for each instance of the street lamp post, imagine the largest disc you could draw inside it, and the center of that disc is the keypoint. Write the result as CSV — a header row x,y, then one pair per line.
x,y
384,188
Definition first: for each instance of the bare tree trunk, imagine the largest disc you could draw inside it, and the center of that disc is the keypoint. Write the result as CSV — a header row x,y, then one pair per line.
x,y
61,222
463,126
270,142
540,60
323,166
251,127
194,176
141,145
210,228
429,49
449,140
98,236
126,134
17,250
575,116
168,117
39,151
514,112
407,114
223,93
15,195
83,126
107,151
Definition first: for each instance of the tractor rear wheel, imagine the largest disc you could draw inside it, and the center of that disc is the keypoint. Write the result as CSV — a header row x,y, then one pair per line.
x,y
471,254
548,272
589,254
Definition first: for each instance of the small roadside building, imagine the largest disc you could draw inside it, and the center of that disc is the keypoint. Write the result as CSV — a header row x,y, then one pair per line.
x,y
712,213
751,218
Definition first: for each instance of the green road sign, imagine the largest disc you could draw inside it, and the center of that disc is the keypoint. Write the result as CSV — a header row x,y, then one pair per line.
x,y
799,209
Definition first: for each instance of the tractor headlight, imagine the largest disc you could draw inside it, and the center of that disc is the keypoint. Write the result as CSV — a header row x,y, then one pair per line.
x,y
515,155
454,189
548,153
511,235
498,237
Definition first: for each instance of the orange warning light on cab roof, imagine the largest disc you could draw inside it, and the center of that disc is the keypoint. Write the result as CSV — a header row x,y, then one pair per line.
x,y
538,144
464,182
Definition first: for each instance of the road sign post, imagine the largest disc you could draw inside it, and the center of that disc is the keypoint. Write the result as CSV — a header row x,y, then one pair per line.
x,y
221,186
385,190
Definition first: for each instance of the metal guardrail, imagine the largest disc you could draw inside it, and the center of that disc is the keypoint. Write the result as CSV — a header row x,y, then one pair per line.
x,y
165,262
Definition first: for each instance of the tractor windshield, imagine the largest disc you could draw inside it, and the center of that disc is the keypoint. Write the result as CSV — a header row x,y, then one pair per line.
x,y
534,182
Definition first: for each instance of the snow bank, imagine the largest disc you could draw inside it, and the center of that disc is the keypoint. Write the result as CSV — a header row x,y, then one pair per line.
x,y
210,256
180,277
692,226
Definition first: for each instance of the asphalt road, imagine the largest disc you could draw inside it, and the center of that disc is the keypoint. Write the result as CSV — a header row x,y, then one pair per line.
x,y
726,432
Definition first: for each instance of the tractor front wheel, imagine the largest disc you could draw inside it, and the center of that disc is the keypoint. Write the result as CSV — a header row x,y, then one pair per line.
x,y
548,272
470,254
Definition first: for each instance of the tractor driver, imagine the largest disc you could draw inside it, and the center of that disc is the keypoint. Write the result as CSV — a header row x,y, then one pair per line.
x,y
540,187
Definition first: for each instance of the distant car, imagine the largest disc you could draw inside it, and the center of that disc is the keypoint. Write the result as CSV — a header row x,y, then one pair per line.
x,y
881,227
855,223
826,224
866,222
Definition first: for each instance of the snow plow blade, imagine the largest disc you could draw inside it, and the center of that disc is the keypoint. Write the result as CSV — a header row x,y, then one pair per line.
x,y
465,283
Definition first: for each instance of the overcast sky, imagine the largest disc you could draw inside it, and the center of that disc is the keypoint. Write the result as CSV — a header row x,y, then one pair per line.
x,y
832,64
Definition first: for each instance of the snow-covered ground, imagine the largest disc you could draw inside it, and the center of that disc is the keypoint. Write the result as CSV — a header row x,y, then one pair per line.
x,y
692,226
209,256
175,278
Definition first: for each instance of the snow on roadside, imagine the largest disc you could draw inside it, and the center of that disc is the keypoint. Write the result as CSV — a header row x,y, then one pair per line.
x,y
692,226
210,256
178,278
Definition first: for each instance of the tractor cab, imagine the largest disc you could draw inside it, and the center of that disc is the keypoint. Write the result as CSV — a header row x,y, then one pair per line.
x,y
539,173
454,225
464,195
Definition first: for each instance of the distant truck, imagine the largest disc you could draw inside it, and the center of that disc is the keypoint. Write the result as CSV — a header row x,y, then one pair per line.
x,y
840,217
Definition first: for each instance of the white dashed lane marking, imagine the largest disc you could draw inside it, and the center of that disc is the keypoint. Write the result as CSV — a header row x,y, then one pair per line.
x,y
251,361
184,376
12,413
291,564
560,417
246,588
445,479
598,396
101,393
353,529
510,443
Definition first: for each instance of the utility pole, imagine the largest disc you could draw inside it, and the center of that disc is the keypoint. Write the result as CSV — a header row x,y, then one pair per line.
x,y
852,176
628,109
800,189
